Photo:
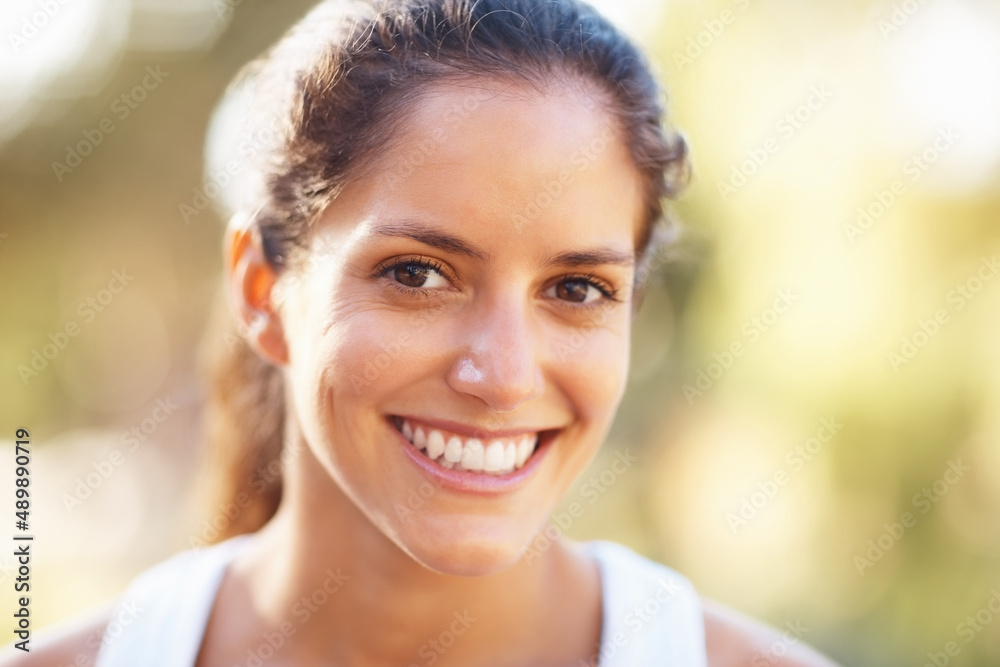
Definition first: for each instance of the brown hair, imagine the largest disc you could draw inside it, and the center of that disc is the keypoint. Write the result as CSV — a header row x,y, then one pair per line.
x,y
331,93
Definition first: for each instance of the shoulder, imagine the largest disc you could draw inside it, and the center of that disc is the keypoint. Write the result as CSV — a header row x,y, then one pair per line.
x,y
73,642
733,639
148,606
637,590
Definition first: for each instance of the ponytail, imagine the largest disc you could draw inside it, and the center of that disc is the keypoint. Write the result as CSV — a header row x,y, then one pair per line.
x,y
244,428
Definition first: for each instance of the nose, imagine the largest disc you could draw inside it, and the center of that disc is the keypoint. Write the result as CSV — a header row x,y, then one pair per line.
x,y
499,361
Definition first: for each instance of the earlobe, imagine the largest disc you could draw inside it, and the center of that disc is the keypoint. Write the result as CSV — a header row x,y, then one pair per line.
x,y
250,285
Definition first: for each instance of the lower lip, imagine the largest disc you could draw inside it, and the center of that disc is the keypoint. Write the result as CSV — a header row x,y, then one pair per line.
x,y
466,481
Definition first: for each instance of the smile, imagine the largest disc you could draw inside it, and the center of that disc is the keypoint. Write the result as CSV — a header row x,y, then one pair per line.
x,y
490,455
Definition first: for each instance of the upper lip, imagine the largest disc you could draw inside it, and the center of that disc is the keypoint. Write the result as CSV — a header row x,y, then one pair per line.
x,y
472,431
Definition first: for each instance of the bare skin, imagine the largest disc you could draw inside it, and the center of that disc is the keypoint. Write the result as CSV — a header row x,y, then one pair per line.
x,y
731,641
485,327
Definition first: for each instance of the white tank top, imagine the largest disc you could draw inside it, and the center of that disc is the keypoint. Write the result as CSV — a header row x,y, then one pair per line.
x,y
651,615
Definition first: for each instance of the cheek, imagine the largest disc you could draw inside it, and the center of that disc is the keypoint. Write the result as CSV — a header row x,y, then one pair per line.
x,y
345,376
374,353
593,367
358,360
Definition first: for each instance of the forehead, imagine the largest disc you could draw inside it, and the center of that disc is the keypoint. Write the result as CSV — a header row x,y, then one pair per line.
x,y
510,163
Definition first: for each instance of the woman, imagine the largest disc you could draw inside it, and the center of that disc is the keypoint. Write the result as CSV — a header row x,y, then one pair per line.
x,y
434,261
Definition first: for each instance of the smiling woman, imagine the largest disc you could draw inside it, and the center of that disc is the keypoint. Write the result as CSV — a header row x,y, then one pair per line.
x,y
435,262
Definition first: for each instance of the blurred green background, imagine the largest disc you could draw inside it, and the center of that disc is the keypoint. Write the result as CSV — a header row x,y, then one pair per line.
x,y
816,374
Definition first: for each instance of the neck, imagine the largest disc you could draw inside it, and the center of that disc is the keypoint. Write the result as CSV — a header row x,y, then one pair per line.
x,y
323,571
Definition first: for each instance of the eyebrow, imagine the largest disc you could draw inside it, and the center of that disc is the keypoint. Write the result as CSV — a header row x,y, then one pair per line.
x,y
596,257
449,243
432,237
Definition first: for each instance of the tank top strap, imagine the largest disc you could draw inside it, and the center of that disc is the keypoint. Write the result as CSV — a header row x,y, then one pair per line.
x,y
651,615
160,619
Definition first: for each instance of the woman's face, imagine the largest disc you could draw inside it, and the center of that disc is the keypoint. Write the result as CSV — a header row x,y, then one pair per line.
x,y
458,333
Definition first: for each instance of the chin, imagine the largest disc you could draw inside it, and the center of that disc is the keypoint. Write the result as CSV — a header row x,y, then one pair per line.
x,y
463,553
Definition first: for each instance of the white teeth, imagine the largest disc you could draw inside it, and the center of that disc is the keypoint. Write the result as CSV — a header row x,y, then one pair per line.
x,y
435,444
509,456
524,449
472,455
493,461
453,450
500,456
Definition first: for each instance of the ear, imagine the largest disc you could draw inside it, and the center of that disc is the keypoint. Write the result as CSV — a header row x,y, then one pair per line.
x,y
250,282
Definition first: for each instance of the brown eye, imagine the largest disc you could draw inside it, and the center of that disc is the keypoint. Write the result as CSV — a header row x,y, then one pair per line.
x,y
411,274
416,274
573,290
